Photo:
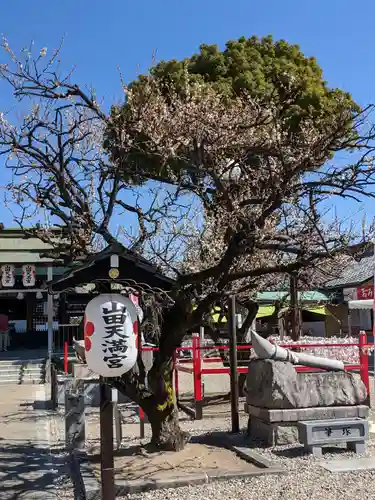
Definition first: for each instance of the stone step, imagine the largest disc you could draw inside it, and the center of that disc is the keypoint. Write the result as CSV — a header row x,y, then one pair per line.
x,y
10,374
30,381
35,371
18,361
15,377
22,367
27,381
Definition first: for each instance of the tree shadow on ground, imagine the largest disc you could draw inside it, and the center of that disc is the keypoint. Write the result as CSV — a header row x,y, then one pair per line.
x,y
128,451
221,439
26,468
218,439
11,417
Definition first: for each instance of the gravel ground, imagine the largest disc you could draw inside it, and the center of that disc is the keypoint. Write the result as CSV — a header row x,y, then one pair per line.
x,y
304,478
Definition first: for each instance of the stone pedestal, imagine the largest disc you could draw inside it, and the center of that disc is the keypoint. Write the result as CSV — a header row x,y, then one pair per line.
x,y
74,415
82,371
280,427
91,392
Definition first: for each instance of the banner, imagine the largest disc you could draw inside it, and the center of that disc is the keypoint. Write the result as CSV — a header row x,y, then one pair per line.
x,y
365,292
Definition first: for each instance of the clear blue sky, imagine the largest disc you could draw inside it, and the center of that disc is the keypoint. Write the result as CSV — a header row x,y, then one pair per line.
x,y
101,35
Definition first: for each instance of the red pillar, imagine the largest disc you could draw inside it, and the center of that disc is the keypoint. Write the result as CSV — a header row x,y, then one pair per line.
x,y
175,372
66,366
363,360
197,374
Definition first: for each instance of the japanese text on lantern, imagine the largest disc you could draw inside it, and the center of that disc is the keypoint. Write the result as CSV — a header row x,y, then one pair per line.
x,y
365,292
28,275
115,345
7,275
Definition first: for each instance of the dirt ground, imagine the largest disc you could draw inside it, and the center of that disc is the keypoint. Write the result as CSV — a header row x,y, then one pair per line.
x,y
135,462
202,454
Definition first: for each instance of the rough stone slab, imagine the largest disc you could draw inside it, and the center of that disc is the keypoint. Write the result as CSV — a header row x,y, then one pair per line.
x,y
252,457
301,414
93,488
349,465
229,475
75,417
277,385
146,484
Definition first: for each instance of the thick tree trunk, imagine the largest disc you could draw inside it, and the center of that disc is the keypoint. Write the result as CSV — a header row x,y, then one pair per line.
x,y
154,392
166,432
162,411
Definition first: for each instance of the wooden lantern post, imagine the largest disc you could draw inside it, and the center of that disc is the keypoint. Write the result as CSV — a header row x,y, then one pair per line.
x,y
234,390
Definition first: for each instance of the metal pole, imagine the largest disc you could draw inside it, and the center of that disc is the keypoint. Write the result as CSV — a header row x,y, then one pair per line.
x,y
106,443
50,314
372,427
197,377
117,417
295,334
201,333
234,392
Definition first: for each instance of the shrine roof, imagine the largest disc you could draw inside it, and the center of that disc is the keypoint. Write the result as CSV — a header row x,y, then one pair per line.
x,y
356,273
132,266
16,248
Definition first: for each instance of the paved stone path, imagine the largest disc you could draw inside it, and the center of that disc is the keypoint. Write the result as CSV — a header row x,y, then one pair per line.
x,y
27,470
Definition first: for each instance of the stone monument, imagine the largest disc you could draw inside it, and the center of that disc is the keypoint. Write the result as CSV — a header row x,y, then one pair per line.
x,y
278,397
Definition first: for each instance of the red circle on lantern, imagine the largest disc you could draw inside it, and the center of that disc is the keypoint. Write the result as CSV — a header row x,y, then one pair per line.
x,y
87,343
89,328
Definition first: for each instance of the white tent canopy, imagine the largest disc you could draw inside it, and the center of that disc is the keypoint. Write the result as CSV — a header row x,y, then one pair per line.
x,y
361,304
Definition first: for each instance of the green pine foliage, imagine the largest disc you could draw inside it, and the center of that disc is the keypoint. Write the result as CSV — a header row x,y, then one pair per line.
x,y
267,70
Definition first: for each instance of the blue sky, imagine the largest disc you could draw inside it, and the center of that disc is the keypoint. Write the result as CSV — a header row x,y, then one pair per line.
x,y
100,36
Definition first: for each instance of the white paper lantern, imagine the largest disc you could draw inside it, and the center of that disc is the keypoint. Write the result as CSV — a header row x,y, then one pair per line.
x,y
8,278
28,275
111,340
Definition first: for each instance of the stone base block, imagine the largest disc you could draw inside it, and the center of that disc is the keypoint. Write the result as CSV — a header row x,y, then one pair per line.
x,y
272,434
280,427
352,431
303,414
